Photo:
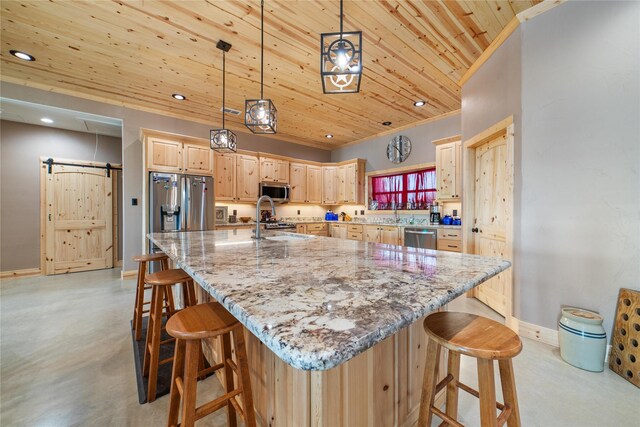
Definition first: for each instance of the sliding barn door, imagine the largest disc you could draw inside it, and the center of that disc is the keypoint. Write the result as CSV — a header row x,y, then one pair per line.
x,y
78,220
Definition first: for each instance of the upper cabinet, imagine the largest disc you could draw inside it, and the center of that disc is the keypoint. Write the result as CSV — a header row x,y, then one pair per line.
x,y
298,182
247,178
166,155
274,170
449,168
236,177
197,159
329,184
225,177
349,185
314,184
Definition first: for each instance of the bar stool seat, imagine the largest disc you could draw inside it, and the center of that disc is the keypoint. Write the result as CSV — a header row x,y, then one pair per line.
x,y
480,338
161,283
189,327
139,303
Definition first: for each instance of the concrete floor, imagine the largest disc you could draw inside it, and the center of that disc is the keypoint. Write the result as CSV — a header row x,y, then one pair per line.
x,y
66,360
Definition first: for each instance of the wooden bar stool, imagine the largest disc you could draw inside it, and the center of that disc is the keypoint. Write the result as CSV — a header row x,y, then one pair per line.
x,y
484,339
161,283
138,307
189,327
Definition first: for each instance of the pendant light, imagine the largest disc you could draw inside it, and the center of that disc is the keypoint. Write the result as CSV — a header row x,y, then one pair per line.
x,y
341,60
223,139
260,115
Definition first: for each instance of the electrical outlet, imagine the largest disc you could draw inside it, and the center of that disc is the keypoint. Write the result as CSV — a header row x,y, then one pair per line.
x,y
362,212
355,212
134,202
298,211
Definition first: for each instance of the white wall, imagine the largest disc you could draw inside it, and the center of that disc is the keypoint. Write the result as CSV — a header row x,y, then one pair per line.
x,y
422,151
580,235
571,78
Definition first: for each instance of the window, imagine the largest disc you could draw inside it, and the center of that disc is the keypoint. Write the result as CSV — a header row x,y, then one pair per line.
x,y
410,190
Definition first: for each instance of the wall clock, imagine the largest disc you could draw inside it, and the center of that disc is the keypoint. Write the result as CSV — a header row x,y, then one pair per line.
x,y
399,149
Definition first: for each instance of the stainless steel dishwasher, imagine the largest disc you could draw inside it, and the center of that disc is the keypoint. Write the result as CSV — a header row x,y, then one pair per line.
x,y
420,237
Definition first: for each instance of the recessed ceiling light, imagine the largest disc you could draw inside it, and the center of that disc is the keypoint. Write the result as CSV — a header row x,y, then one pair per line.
x,y
419,103
179,97
22,55
46,120
328,136
386,123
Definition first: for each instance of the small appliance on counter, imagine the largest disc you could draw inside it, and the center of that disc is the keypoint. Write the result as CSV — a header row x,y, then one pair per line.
x,y
234,217
447,220
330,216
434,216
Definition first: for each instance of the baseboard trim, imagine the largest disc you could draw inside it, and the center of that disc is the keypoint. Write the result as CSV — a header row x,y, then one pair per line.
x,y
128,274
538,333
13,274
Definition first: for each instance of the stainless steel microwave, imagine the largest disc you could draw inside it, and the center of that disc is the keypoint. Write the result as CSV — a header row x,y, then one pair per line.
x,y
279,192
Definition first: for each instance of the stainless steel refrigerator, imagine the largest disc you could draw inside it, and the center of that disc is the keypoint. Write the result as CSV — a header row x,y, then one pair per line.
x,y
180,203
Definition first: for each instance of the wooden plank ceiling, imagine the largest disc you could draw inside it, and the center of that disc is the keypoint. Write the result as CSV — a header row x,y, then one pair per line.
x,y
137,53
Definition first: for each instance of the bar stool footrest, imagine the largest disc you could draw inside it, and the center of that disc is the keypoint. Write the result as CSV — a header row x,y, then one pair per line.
x,y
214,405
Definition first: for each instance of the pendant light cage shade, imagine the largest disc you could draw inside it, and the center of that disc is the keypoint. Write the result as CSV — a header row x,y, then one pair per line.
x,y
261,116
341,62
223,140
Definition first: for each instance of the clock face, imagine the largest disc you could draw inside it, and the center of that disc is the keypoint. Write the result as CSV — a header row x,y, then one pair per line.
x,y
399,149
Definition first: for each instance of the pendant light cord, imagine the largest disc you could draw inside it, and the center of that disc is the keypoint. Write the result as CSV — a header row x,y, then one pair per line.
x,y
340,18
262,49
223,86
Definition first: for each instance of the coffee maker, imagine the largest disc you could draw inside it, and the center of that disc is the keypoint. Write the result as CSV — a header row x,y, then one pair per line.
x,y
434,216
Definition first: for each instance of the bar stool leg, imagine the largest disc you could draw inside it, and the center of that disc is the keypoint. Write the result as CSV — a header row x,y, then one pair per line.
x,y
243,377
178,372
487,390
147,345
429,383
168,300
154,331
228,378
507,379
139,304
453,368
190,383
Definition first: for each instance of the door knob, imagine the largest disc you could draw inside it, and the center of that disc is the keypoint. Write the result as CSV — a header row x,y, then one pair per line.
x,y
474,230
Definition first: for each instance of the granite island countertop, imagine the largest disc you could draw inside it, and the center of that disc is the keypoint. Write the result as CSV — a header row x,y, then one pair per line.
x,y
317,302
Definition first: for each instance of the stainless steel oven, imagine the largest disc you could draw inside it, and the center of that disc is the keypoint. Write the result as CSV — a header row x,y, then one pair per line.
x,y
420,237
279,192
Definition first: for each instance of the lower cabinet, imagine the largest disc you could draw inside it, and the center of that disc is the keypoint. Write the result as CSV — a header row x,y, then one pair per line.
x,y
449,239
316,229
338,231
382,234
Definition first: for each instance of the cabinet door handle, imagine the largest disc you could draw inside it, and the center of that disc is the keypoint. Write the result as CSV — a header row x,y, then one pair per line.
x,y
474,230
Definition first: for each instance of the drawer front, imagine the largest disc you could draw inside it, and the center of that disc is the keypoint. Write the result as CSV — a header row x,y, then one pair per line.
x,y
354,236
316,227
449,234
449,245
318,233
354,228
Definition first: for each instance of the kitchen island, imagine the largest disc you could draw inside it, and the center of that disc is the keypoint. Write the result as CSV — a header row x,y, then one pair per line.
x,y
333,327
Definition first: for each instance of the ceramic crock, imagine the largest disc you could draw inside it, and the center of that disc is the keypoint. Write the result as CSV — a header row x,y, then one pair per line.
x,y
583,341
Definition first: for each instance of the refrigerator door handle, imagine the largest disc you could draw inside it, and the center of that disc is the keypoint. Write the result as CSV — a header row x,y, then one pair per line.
x,y
185,196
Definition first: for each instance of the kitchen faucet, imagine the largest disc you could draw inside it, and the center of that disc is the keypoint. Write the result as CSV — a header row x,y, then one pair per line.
x,y
273,213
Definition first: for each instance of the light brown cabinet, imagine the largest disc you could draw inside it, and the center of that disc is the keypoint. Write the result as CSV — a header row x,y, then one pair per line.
x,y
274,170
355,232
165,155
236,177
306,183
298,183
381,234
449,170
449,239
197,159
247,178
225,177
329,184
314,184
339,231
316,229
349,183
